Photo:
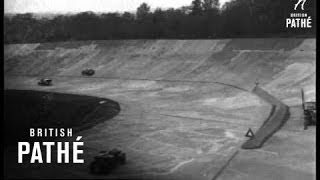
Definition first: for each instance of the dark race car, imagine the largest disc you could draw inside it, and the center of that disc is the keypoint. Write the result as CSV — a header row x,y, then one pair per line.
x,y
45,82
105,162
88,72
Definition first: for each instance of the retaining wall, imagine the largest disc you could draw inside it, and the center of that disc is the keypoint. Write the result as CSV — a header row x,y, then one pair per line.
x,y
272,124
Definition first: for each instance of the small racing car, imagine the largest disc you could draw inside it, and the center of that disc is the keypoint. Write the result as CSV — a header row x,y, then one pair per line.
x,y
88,72
105,162
45,82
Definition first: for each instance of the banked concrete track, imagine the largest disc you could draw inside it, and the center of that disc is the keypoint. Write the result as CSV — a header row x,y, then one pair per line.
x,y
184,105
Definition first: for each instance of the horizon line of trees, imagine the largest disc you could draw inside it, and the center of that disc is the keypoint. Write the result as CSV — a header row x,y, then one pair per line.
x,y
203,19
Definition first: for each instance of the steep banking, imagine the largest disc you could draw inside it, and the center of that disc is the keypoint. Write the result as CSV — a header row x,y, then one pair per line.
x,y
232,61
164,124
279,115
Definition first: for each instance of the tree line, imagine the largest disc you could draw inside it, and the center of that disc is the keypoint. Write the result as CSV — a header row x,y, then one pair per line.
x,y
203,19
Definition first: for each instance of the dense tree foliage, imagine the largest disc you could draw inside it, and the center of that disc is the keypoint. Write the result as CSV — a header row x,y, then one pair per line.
x,y
202,19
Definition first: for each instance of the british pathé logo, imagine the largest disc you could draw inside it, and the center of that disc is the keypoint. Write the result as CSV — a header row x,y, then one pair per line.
x,y
299,19
301,2
61,149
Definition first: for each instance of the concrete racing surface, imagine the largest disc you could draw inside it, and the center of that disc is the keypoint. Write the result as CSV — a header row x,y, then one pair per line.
x,y
185,105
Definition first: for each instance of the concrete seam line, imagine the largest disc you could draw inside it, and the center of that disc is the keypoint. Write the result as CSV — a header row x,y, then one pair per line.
x,y
225,165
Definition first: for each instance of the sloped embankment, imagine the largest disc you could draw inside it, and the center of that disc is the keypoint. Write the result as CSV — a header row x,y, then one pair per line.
x,y
278,116
232,61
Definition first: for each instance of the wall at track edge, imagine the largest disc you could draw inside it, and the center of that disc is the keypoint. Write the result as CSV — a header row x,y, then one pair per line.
x,y
272,124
